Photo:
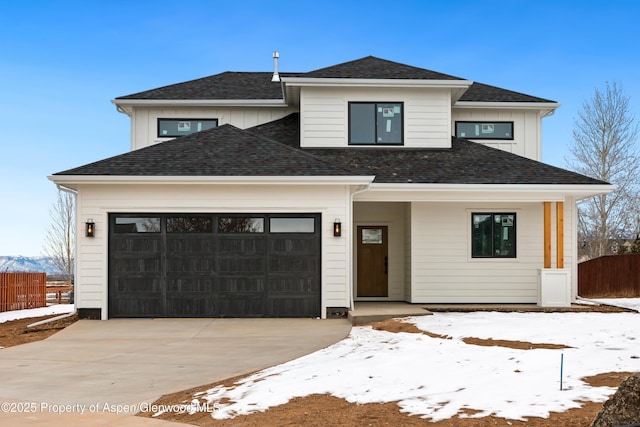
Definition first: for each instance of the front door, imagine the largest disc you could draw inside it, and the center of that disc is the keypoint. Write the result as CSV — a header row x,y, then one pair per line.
x,y
373,265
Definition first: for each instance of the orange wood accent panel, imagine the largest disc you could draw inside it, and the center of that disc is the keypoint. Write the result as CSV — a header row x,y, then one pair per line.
x,y
547,234
560,234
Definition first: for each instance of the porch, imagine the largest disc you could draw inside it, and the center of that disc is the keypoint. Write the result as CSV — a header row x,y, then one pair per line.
x,y
365,312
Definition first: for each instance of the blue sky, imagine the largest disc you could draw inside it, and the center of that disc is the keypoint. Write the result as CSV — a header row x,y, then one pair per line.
x,y
62,62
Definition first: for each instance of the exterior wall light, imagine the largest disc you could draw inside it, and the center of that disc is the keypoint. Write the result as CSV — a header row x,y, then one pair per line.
x,y
337,228
91,228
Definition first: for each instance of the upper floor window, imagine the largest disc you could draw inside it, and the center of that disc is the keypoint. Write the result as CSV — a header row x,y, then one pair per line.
x,y
169,128
484,130
373,123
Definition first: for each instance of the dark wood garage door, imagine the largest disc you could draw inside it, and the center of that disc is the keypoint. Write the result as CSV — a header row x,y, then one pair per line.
x,y
214,265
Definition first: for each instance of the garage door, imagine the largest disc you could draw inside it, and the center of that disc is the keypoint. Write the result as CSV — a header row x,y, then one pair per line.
x,y
214,265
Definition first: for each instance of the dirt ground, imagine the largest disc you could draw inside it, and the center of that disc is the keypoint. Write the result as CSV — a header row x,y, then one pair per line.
x,y
324,410
15,332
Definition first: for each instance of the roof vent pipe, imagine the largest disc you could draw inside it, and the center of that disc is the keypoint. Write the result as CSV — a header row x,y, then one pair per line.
x,y
276,76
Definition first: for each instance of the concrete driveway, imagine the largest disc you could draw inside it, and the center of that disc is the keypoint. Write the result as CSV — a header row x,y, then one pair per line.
x,y
121,364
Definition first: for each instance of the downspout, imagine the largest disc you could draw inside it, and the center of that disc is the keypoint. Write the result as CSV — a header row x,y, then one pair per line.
x,y
351,296
75,265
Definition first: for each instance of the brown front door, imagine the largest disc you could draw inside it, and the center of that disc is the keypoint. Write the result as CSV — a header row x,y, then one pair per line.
x,y
372,261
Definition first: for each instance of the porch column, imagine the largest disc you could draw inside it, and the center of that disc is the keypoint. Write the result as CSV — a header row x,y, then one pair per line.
x,y
554,284
559,234
547,234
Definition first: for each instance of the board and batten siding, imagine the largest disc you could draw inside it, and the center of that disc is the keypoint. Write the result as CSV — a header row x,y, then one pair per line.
x,y
443,270
144,123
527,138
97,201
391,215
324,115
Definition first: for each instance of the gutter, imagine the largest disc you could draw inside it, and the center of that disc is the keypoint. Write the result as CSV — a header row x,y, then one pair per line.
x,y
75,267
351,196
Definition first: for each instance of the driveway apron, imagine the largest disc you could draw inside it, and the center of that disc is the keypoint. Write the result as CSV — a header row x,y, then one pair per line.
x,y
119,365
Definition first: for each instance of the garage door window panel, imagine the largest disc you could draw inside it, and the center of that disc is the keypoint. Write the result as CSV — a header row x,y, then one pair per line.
x,y
292,225
137,225
190,224
240,225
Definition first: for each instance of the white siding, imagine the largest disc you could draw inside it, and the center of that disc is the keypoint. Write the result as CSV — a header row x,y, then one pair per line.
x,y
443,270
325,123
97,201
527,140
144,124
393,216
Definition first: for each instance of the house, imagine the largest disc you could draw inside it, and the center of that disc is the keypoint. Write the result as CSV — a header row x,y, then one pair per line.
x,y
266,194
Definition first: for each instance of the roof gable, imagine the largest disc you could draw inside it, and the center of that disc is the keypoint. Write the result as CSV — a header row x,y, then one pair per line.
x,y
221,151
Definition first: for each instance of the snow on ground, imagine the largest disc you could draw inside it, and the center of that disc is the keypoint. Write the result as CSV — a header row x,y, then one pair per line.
x,y
630,303
36,312
436,378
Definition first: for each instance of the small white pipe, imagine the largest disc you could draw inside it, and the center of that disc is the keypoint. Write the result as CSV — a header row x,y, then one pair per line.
x,y
351,284
75,250
62,316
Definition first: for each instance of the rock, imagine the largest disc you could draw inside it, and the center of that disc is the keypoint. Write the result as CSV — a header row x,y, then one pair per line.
x,y
623,408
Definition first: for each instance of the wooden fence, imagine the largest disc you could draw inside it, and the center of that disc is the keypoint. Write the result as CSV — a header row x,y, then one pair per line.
x,y
610,276
19,291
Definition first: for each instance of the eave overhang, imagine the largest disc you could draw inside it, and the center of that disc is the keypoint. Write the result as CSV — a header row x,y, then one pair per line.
x,y
457,87
547,108
481,192
306,81
72,181
126,105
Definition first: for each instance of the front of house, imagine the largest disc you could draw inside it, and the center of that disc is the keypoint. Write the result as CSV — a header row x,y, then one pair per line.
x,y
296,194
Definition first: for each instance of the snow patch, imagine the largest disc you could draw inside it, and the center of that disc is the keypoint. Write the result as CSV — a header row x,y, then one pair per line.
x,y
36,312
436,379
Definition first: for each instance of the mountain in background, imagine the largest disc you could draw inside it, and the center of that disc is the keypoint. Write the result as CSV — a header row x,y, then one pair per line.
x,y
25,263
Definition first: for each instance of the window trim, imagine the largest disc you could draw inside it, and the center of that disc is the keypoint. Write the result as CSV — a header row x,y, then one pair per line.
x,y
493,256
480,122
374,144
186,119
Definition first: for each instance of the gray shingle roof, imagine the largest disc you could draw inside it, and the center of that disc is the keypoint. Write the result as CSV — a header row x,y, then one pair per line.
x,y
371,67
227,85
258,85
272,150
480,92
465,162
221,151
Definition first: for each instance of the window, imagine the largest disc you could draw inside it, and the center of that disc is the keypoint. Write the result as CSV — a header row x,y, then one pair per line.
x,y
240,225
169,128
493,235
292,225
138,225
375,123
484,130
189,224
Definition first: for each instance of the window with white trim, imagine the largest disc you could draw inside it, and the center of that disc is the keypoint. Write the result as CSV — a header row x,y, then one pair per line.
x,y
484,130
375,123
170,128
493,235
